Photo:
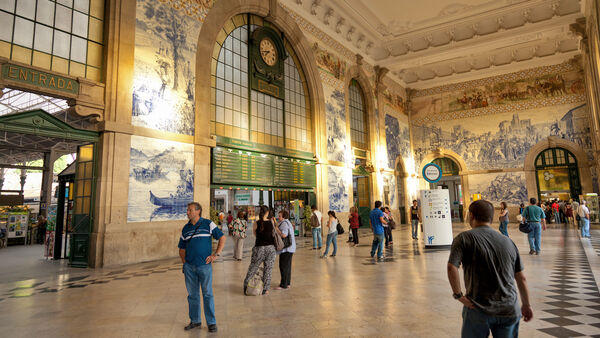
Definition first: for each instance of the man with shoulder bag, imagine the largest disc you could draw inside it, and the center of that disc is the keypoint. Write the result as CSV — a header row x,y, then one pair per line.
x,y
315,222
535,219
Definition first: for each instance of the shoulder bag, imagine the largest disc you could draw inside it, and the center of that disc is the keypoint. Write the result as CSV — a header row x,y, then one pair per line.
x,y
287,241
339,228
525,226
278,240
391,224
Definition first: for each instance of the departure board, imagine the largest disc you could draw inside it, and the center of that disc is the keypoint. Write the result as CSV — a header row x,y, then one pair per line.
x,y
233,166
290,172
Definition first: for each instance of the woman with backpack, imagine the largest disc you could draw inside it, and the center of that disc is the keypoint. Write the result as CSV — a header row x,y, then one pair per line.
x,y
331,234
286,229
263,251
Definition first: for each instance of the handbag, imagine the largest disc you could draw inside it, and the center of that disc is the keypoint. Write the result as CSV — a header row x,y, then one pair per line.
x,y
255,284
392,224
287,241
525,226
340,229
278,240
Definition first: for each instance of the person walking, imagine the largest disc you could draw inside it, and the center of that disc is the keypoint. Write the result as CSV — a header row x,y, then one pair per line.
x,y
229,218
556,211
332,223
535,216
354,223
575,207
584,219
562,208
195,247
415,218
491,265
503,218
286,229
315,220
377,221
237,230
263,250
387,228
569,214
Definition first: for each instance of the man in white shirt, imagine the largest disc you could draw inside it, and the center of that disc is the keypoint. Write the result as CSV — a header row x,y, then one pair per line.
x,y
315,221
584,219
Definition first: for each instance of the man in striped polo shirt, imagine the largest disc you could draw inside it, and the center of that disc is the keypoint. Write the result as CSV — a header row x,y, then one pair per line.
x,y
195,247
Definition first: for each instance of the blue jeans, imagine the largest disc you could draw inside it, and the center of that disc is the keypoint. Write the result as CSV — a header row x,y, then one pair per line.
x,y
415,227
377,245
557,218
197,277
316,233
331,237
585,227
535,237
478,324
504,228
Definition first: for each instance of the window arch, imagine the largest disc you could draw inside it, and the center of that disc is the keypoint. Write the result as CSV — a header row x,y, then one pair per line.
x,y
239,112
359,131
449,167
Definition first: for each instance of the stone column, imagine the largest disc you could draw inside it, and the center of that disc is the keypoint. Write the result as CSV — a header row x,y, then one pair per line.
x,y
47,177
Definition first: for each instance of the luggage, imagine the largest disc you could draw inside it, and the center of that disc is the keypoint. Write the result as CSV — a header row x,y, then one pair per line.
x,y
255,284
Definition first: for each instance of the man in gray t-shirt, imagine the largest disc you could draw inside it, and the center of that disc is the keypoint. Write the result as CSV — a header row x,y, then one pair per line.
x,y
491,265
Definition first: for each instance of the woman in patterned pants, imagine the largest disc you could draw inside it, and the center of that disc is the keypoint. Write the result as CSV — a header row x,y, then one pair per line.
x,y
263,251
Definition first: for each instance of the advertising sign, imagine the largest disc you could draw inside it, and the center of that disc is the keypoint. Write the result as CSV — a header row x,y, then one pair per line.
x,y
436,218
432,172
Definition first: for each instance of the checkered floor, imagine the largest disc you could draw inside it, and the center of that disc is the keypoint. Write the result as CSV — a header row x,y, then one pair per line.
x,y
572,304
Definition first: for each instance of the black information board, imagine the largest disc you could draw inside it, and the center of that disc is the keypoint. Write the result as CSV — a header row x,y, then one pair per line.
x,y
233,166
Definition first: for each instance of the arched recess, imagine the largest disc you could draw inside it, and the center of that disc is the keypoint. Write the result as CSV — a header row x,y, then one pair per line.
x,y
402,183
357,73
462,166
583,164
271,11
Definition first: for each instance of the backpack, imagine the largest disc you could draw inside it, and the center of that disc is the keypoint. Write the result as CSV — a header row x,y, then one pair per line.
x,y
315,222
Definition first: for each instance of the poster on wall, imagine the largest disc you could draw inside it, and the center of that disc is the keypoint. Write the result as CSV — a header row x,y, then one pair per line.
x,y
161,179
436,218
554,179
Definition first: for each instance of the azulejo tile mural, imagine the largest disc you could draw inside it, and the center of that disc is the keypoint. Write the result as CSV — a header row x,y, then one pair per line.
x,y
164,67
338,188
506,187
389,190
337,146
397,137
516,91
161,179
503,140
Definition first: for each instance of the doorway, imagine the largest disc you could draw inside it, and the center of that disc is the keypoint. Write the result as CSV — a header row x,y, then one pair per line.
x,y
362,199
557,176
451,180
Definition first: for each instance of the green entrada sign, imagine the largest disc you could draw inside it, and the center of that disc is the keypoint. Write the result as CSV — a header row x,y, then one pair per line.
x,y
40,79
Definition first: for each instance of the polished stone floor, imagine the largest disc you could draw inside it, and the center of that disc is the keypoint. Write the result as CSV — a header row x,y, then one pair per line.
x,y
349,295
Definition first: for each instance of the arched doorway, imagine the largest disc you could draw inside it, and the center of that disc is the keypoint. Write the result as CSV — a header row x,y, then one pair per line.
x,y
401,191
557,176
451,180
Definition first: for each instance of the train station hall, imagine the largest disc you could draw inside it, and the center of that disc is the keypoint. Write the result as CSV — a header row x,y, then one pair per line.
x,y
299,168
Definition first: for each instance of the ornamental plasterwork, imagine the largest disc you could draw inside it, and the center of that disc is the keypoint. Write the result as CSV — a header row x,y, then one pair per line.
x,y
197,9
524,105
330,80
528,73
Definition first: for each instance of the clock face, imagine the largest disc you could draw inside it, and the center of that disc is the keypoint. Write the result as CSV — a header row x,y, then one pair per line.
x,y
268,52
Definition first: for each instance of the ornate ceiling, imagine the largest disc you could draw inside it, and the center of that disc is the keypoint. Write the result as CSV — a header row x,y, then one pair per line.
x,y
426,43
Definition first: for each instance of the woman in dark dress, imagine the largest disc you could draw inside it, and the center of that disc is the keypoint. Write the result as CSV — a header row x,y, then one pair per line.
x,y
264,249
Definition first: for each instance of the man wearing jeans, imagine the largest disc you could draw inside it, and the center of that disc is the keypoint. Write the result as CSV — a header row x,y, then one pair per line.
x,y
584,219
491,265
315,221
195,246
536,217
415,217
377,220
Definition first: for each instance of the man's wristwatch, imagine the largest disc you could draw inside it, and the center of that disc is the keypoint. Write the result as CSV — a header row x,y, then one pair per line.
x,y
217,254
457,295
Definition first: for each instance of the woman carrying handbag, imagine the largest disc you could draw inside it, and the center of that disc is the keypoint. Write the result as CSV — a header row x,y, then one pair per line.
x,y
286,231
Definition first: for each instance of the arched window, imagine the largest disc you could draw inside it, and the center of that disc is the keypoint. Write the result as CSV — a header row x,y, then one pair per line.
x,y
449,167
240,112
359,131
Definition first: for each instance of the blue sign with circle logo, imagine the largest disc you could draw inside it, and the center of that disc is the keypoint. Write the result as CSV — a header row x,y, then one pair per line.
x,y
432,172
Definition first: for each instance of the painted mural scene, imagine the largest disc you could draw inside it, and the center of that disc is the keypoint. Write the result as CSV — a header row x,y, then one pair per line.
x,y
382,166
